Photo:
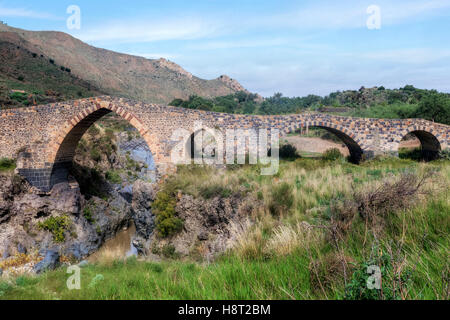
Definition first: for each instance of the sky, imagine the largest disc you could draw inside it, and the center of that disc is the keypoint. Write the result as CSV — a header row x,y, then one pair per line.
x,y
293,47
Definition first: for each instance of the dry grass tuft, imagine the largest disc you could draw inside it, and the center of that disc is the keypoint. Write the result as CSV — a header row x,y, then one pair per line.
x,y
330,270
287,239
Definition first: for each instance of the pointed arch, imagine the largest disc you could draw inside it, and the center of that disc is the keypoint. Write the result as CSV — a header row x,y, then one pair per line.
x,y
64,143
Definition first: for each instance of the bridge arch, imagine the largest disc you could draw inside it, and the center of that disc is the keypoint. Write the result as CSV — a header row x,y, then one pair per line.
x,y
429,141
64,143
354,145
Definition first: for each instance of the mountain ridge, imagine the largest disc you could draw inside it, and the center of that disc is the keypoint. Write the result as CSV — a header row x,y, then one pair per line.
x,y
148,80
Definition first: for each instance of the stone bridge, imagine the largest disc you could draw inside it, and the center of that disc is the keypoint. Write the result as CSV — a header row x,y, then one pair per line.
x,y
43,139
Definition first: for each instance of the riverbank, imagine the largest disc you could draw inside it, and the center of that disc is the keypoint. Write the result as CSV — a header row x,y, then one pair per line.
x,y
315,244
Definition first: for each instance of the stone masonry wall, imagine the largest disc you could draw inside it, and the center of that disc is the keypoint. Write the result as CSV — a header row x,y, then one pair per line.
x,y
42,136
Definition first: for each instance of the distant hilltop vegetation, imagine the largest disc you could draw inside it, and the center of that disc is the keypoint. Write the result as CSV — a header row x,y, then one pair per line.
x,y
28,57
377,102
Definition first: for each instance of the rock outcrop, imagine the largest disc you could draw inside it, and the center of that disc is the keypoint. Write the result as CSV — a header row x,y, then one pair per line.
x,y
209,225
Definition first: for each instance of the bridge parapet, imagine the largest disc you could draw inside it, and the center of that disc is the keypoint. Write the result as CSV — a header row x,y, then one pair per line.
x,y
44,138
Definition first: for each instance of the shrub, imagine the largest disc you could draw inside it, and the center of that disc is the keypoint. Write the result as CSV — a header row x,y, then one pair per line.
x,y
332,155
288,152
282,199
95,155
167,223
444,154
209,192
395,279
94,131
330,270
169,251
21,78
113,177
374,205
57,226
87,213
7,164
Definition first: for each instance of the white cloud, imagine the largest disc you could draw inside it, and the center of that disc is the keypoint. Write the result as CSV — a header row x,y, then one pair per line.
x,y
24,13
348,14
148,31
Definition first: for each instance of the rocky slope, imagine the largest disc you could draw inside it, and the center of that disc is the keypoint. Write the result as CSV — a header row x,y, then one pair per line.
x,y
110,188
153,81
22,72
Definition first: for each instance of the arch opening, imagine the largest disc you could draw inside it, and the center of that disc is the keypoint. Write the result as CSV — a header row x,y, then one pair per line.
x,y
315,140
419,145
202,145
105,146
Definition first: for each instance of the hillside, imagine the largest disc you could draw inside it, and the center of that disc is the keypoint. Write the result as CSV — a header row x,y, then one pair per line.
x,y
22,73
152,81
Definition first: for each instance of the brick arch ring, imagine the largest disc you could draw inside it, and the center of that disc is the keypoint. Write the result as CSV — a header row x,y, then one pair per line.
x,y
69,125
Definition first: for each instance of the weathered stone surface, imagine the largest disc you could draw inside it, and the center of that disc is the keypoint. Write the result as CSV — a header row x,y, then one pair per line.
x,y
209,225
50,261
44,138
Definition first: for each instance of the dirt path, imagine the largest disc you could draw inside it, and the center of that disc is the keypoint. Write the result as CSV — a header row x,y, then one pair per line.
x,y
315,145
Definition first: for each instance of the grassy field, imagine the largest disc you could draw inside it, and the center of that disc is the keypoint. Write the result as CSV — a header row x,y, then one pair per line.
x,y
319,226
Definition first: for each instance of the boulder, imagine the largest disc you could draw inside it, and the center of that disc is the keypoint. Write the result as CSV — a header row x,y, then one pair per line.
x,y
144,220
50,262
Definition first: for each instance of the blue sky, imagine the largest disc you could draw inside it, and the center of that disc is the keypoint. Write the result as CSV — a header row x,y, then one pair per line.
x,y
293,47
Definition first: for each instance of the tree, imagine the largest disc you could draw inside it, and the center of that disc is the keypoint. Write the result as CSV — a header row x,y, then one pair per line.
x,y
434,107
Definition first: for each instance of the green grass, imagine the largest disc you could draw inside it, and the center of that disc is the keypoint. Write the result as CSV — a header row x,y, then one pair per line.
x,y
7,164
280,257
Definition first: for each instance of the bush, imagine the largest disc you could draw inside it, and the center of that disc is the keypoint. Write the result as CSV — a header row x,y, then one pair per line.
x,y
167,223
57,226
332,155
95,155
394,284
87,213
209,192
282,199
169,251
113,177
288,152
412,154
7,164
444,154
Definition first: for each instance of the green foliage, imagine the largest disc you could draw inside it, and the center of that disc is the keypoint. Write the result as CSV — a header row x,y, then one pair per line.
x,y
95,155
87,213
240,102
332,155
57,226
282,199
169,251
362,285
113,177
288,152
211,191
435,107
167,223
444,154
413,154
7,164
